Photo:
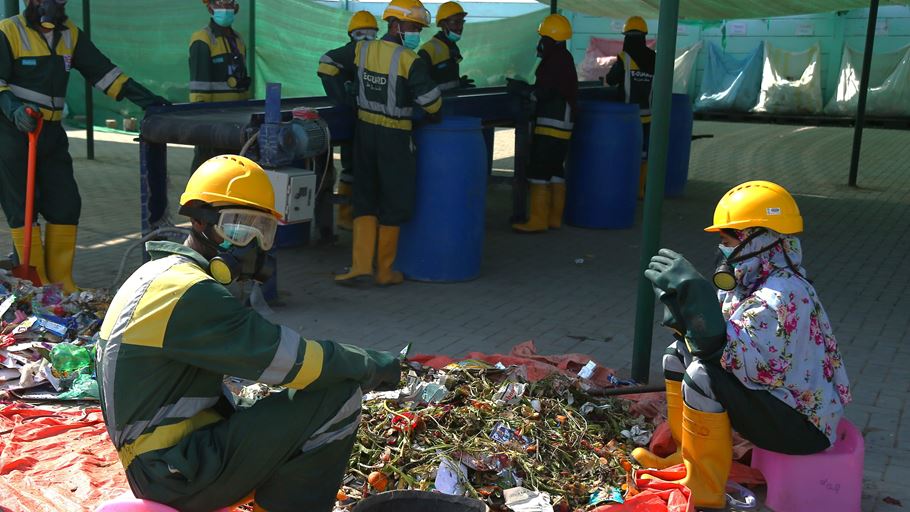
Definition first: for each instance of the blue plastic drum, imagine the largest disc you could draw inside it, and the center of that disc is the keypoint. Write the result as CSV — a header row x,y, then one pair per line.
x,y
680,146
443,242
604,162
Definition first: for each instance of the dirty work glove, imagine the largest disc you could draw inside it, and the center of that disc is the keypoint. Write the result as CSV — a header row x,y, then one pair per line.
x,y
466,83
696,300
142,97
388,372
520,88
24,122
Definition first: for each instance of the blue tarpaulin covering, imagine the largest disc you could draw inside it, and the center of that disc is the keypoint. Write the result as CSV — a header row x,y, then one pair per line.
x,y
730,84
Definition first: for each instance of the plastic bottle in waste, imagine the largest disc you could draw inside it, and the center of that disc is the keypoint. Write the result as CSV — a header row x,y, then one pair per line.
x,y
67,358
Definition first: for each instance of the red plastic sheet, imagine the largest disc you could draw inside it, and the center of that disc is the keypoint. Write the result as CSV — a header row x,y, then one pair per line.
x,y
56,460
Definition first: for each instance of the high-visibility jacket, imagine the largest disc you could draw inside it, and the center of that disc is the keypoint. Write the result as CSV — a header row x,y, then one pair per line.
x,y
172,333
336,67
37,72
634,71
217,53
444,57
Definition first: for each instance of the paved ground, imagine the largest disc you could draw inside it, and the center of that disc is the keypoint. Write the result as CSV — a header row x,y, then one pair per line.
x,y
856,243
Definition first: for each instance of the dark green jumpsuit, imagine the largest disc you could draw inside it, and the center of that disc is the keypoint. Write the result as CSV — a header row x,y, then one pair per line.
x,y
36,72
336,69
170,336
444,59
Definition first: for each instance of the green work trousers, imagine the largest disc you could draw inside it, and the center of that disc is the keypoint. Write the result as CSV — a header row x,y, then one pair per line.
x,y
56,193
385,173
291,453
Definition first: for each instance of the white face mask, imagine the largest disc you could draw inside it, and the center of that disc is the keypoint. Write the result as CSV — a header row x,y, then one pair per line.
x,y
726,251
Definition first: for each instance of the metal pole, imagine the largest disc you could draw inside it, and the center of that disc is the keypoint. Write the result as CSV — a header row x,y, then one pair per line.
x,y
654,193
10,8
251,49
89,100
554,4
863,92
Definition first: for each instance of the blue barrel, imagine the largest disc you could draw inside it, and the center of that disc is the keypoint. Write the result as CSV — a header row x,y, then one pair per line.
x,y
604,162
680,145
443,242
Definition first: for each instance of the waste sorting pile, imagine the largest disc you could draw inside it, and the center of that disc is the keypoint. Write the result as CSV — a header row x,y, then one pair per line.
x,y
49,337
484,431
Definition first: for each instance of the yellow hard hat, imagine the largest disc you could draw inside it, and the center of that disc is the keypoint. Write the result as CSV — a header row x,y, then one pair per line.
x,y
407,10
447,10
635,23
757,204
231,179
556,27
362,20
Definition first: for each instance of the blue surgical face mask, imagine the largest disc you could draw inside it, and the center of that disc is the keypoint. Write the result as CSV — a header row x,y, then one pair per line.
x,y
410,40
223,17
726,251
454,37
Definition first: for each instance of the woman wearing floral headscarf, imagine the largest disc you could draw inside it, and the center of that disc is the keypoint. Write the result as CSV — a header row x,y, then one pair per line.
x,y
764,362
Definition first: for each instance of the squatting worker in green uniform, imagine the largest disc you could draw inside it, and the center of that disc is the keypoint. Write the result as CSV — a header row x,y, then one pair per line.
x,y
442,52
172,333
336,70
390,80
218,70
38,49
554,92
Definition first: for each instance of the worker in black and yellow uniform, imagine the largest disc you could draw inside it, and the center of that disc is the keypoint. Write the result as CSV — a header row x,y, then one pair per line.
x,y
173,332
218,70
336,70
633,73
442,53
391,79
38,49
555,91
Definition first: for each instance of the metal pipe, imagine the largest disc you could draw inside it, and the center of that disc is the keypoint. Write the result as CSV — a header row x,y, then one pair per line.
x,y
251,49
89,99
863,92
10,8
654,193
629,390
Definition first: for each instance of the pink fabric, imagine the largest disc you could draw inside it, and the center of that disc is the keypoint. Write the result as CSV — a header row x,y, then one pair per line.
x,y
600,56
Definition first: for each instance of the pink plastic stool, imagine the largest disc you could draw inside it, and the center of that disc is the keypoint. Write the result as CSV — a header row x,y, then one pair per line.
x,y
831,480
126,502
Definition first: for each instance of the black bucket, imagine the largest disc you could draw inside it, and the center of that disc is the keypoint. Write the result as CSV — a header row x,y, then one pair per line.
x,y
418,501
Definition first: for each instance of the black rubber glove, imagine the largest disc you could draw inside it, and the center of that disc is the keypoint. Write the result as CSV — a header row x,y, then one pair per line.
x,y
466,83
388,372
142,97
696,300
520,88
24,122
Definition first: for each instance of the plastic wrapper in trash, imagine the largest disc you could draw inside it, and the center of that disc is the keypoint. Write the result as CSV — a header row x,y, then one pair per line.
x,y
84,387
451,477
510,393
519,499
606,495
637,435
587,371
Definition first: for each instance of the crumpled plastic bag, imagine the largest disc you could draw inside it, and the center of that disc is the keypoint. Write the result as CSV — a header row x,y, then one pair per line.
x,y
84,387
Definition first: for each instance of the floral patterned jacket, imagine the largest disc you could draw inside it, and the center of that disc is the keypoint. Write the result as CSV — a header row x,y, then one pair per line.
x,y
779,337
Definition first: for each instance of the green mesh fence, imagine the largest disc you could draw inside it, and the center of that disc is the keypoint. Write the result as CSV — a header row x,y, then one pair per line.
x,y
149,40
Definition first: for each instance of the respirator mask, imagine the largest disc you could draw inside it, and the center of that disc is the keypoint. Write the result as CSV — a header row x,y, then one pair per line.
x,y
52,13
247,236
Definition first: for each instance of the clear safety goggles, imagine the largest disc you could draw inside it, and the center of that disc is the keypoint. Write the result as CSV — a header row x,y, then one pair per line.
x,y
239,227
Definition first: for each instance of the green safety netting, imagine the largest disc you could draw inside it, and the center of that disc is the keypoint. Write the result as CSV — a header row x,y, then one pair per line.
x,y
149,40
713,9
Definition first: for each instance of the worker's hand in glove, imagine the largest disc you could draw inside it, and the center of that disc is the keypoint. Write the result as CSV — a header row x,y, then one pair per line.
x,y
388,372
142,97
24,121
466,83
520,88
696,300
350,88
672,317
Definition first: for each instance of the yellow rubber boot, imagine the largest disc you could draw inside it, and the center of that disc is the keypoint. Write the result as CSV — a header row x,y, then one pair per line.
x,y
387,251
642,179
345,211
363,251
675,419
60,249
539,218
707,451
557,204
36,256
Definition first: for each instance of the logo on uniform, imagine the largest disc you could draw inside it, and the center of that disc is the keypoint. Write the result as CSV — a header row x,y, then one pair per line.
x,y
67,63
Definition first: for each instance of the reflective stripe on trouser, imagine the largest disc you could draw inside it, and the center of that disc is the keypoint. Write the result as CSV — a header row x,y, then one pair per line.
x,y
548,157
696,389
56,193
385,173
293,453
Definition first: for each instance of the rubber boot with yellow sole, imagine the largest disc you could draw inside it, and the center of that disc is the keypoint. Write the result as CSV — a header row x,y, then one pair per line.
x,y
557,203
387,250
642,179
707,451
345,211
362,253
36,256
539,215
674,419
59,251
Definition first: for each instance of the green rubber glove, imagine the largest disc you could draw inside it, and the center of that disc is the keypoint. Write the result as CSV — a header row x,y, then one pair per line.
x,y
388,372
672,317
24,122
696,300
